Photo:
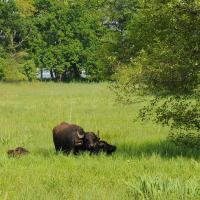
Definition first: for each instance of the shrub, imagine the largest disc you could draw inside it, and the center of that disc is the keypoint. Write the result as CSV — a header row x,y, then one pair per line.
x,y
11,70
29,70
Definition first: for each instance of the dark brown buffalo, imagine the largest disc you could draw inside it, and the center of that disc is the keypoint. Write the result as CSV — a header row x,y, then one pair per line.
x,y
72,138
90,142
105,147
17,152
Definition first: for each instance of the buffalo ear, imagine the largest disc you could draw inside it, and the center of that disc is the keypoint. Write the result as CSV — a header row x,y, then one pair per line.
x,y
79,135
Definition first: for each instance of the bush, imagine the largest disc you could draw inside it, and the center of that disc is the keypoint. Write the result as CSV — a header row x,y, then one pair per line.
x,y
13,70
164,62
29,70
185,139
181,114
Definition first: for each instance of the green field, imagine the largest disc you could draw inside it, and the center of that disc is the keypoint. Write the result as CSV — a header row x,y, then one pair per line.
x,y
144,166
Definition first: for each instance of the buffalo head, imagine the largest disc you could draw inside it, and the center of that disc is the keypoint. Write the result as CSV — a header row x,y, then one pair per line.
x,y
91,141
105,147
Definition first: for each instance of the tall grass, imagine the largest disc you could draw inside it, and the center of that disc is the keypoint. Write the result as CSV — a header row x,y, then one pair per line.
x,y
144,166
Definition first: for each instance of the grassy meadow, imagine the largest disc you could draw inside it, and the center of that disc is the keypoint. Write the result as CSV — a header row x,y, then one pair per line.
x,y
143,167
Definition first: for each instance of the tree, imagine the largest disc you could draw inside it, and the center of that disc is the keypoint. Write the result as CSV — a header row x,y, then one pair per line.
x,y
68,38
26,7
117,18
163,60
15,31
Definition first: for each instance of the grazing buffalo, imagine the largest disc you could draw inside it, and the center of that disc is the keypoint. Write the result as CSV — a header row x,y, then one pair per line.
x,y
70,137
105,147
90,142
17,152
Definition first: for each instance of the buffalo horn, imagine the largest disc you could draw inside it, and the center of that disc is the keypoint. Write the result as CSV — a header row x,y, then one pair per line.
x,y
79,135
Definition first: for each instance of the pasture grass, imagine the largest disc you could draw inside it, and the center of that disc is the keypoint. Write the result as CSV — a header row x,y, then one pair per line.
x,y
145,166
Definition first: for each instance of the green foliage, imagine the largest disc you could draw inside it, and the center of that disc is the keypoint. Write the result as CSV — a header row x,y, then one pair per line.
x,y
181,114
29,70
15,30
118,15
68,38
11,70
62,37
163,61
185,139
165,52
26,7
125,86
17,68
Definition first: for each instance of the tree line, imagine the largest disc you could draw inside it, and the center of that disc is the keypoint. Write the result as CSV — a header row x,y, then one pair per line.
x,y
64,37
158,40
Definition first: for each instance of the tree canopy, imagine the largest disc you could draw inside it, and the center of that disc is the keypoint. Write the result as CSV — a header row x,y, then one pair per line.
x,y
163,44
64,37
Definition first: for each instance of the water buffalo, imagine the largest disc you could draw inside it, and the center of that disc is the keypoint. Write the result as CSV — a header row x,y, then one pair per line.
x,y
72,138
90,142
105,147
17,152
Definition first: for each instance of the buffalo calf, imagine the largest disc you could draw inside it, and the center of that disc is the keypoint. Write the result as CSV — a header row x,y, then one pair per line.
x,y
105,147
17,152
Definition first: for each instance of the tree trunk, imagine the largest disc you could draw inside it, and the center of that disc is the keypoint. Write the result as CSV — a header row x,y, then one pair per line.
x,y
41,74
52,74
75,72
